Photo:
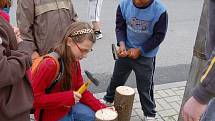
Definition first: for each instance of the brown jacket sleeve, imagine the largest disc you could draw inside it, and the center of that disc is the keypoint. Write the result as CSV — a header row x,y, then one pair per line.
x,y
25,20
13,62
205,91
12,67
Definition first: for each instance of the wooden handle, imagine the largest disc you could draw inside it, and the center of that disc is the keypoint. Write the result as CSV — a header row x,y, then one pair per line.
x,y
84,87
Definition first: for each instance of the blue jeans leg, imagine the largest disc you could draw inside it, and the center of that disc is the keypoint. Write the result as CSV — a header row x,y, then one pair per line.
x,y
68,117
82,112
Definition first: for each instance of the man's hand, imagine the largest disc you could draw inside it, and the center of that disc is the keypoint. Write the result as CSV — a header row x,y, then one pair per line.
x,y
122,50
77,96
134,53
193,110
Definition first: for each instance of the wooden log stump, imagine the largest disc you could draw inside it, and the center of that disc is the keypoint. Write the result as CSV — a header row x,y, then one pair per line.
x,y
106,114
123,102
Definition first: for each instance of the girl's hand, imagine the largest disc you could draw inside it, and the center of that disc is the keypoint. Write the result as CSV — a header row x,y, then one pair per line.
x,y
77,96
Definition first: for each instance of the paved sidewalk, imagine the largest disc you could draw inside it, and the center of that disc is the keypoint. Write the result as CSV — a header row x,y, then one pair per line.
x,y
168,100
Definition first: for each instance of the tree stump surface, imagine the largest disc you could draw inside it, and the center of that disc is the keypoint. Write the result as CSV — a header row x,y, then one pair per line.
x,y
106,114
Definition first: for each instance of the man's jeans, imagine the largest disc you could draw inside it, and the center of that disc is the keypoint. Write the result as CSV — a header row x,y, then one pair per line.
x,y
79,112
209,114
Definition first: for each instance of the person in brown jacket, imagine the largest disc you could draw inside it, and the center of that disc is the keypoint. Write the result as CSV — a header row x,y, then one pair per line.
x,y
43,22
203,95
16,96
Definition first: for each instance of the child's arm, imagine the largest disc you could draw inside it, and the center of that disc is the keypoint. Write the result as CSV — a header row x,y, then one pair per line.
x,y
159,33
87,96
91,101
41,80
121,33
120,26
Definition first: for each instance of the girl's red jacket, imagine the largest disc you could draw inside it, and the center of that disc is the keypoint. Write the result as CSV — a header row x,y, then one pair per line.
x,y
58,103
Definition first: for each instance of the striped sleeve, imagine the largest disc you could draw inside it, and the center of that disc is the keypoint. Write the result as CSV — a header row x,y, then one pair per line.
x,y
205,91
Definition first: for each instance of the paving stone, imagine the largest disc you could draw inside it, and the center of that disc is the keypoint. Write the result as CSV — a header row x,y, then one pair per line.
x,y
175,117
137,105
167,113
175,88
158,116
139,113
157,96
172,98
136,97
181,96
133,113
135,101
179,102
135,118
163,103
179,92
162,93
136,91
176,106
170,92
171,85
158,106
182,88
177,109
169,119
159,119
